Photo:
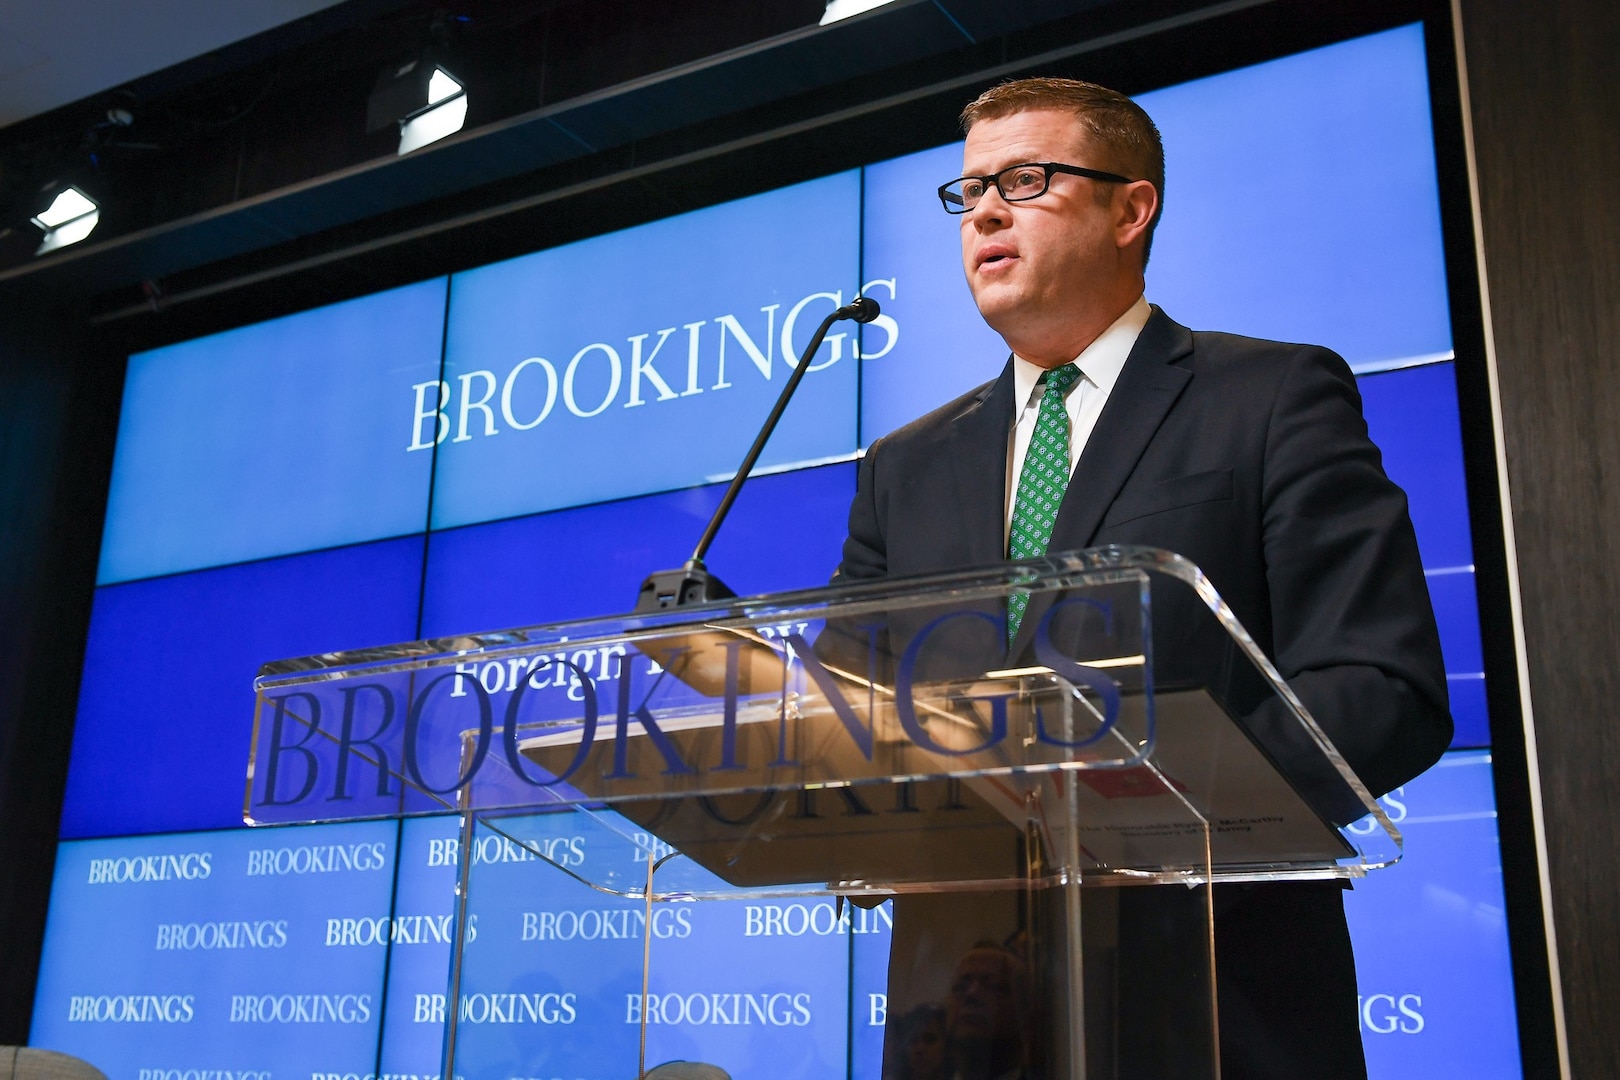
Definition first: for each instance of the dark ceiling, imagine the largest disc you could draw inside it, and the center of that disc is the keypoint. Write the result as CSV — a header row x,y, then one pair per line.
x,y
252,163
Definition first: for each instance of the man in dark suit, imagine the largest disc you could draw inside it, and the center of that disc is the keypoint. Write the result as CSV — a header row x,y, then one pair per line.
x,y
1249,457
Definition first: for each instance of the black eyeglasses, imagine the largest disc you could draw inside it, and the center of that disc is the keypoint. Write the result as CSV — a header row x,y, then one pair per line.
x,y
1017,183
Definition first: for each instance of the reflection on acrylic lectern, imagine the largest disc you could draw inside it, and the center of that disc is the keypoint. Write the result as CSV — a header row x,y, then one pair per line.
x,y
1039,832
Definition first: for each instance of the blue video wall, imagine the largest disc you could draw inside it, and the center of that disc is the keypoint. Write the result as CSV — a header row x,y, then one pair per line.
x,y
523,442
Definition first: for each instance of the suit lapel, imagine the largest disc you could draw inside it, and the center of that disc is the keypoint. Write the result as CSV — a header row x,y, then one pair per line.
x,y
976,445
1148,386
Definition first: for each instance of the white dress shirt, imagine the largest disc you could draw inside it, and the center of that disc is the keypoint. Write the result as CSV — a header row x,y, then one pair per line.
x,y
1099,366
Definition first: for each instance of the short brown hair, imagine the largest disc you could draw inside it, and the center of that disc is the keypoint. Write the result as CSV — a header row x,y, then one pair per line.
x,y
1124,131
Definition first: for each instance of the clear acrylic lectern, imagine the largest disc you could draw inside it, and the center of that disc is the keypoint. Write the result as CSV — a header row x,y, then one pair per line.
x,y
1033,826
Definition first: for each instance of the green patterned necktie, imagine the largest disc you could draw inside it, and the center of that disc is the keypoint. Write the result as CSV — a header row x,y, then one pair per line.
x,y
1042,482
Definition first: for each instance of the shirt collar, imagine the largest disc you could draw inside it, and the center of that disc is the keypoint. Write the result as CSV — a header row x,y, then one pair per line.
x,y
1100,363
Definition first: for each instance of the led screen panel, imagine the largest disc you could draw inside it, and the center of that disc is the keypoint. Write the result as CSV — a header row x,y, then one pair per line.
x,y
1316,216
236,950
1412,416
273,438
645,360
1456,611
784,532
419,960
552,972
1278,223
1431,934
166,701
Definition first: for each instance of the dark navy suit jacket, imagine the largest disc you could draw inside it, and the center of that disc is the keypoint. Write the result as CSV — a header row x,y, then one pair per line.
x,y
1251,458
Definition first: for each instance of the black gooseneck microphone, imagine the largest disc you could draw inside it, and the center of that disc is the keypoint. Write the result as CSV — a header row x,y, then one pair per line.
x,y
692,583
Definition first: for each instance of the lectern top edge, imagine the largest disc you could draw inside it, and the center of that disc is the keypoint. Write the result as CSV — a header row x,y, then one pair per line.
x,y
741,609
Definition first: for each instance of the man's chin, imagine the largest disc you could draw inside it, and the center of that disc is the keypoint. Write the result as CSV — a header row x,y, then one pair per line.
x,y
1003,319
998,307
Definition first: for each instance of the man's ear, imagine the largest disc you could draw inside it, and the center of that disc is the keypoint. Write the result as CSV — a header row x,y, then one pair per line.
x,y
1135,206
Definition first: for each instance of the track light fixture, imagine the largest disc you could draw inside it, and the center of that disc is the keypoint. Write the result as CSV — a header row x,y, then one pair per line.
x,y
70,218
425,100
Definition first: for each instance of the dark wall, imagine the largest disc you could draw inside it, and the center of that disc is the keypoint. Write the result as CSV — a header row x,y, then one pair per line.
x,y
1546,115
289,105
53,465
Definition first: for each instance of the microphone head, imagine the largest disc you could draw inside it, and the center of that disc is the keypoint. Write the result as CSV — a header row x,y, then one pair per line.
x,y
864,309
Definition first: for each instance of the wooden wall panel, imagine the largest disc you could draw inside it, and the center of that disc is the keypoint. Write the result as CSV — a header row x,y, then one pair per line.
x,y
1546,116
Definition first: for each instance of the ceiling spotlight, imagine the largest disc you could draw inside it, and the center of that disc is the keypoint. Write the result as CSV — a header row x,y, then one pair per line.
x,y
424,99
847,9
69,219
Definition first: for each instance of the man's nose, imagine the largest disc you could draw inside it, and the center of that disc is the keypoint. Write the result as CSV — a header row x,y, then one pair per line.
x,y
991,211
